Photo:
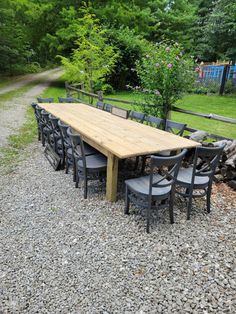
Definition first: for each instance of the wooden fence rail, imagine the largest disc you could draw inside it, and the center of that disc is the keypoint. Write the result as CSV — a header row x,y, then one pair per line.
x,y
79,89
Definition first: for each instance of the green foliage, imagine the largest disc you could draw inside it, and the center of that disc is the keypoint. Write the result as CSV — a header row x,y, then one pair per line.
x,y
165,74
215,31
93,58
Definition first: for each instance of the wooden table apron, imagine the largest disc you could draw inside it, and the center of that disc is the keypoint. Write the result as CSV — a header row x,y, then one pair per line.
x,y
115,137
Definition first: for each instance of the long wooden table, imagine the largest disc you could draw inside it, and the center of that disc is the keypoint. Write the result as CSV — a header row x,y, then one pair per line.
x,y
115,137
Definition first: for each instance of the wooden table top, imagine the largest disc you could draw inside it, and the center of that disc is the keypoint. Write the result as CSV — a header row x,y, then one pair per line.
x,y
121,137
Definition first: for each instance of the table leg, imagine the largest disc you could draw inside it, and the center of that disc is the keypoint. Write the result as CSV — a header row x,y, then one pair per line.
x,y
112,176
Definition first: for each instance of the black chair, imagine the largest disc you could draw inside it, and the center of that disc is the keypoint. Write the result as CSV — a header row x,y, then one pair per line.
x,y
100,105
137,116
45,100
37,117
46,128
67,148
156,190
107,107
200,175
175,127
87,167
56,139
67,100
153,121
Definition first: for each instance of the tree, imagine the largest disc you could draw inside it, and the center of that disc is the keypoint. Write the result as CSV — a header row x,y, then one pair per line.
x,y
93,58
215,36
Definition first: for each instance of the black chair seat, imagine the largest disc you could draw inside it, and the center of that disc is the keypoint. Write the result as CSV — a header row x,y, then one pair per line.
x,y
185,176
94,162
141,186
88,150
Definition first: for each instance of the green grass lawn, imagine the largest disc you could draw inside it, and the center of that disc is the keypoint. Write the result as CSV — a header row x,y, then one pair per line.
x,y
221,105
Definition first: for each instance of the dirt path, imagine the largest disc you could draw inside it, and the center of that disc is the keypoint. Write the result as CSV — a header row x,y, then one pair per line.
x,y
12,116
26,79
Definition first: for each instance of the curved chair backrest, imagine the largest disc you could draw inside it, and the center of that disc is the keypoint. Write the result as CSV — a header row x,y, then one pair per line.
x,y
107,107
175,127
76,141
137,116
153,121
168,167
66,99
205,161
45,116
100,105
63,129
54,121
42,100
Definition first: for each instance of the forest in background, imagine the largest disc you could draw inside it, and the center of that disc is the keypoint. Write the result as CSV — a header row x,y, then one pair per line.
x,y
35,32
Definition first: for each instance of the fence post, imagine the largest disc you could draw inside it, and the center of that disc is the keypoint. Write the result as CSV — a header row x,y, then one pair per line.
x,y
100,95
224,79
67,89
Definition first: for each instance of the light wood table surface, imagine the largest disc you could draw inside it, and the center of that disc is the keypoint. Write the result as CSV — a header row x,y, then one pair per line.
x,y
115,137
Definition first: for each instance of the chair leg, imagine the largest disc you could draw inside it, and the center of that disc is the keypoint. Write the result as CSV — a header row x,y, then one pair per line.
x,y
85,188
144,158
171,205
127,201
74,172
190,200
136,163
148,219
67,165
209,199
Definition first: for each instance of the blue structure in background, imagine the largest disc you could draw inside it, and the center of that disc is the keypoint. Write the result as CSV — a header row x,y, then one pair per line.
x,y
215,72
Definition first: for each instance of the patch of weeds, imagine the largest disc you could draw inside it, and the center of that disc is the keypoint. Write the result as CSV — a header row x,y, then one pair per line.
x,y
54,209
14,152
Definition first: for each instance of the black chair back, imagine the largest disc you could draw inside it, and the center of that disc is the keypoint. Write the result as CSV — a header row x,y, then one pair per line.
x,y
45,100
167,167
175,127
107,107
205,161
66,100
153,121
76,141
100,105
137,116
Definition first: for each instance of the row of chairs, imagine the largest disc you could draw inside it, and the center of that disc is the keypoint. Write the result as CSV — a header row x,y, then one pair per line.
x,y
60,100
158,189
170,126
87,163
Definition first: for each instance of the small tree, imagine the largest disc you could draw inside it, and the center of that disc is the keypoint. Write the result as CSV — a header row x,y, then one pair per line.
x,y
165,74
94,58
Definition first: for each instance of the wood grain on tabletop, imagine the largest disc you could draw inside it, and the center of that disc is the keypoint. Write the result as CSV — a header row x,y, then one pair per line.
x,y
124,138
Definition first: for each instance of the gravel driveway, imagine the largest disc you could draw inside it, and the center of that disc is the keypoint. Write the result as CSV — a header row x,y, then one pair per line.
x,y
63,254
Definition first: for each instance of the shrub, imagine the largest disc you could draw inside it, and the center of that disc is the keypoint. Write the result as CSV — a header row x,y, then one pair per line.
x,y
165,74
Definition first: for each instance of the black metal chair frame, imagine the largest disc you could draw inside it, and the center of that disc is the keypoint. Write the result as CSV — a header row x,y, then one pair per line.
x,y
209,157
167,169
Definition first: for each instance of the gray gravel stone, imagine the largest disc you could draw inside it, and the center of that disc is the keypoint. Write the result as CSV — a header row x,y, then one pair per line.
x,y
63,254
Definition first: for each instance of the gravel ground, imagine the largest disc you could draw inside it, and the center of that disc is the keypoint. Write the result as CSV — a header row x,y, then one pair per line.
x,y
63,254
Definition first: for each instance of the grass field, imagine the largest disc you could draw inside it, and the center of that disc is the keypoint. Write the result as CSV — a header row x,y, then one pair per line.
x,y
221,105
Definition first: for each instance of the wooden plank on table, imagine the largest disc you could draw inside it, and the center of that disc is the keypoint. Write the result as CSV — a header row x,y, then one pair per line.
x,y
123,138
